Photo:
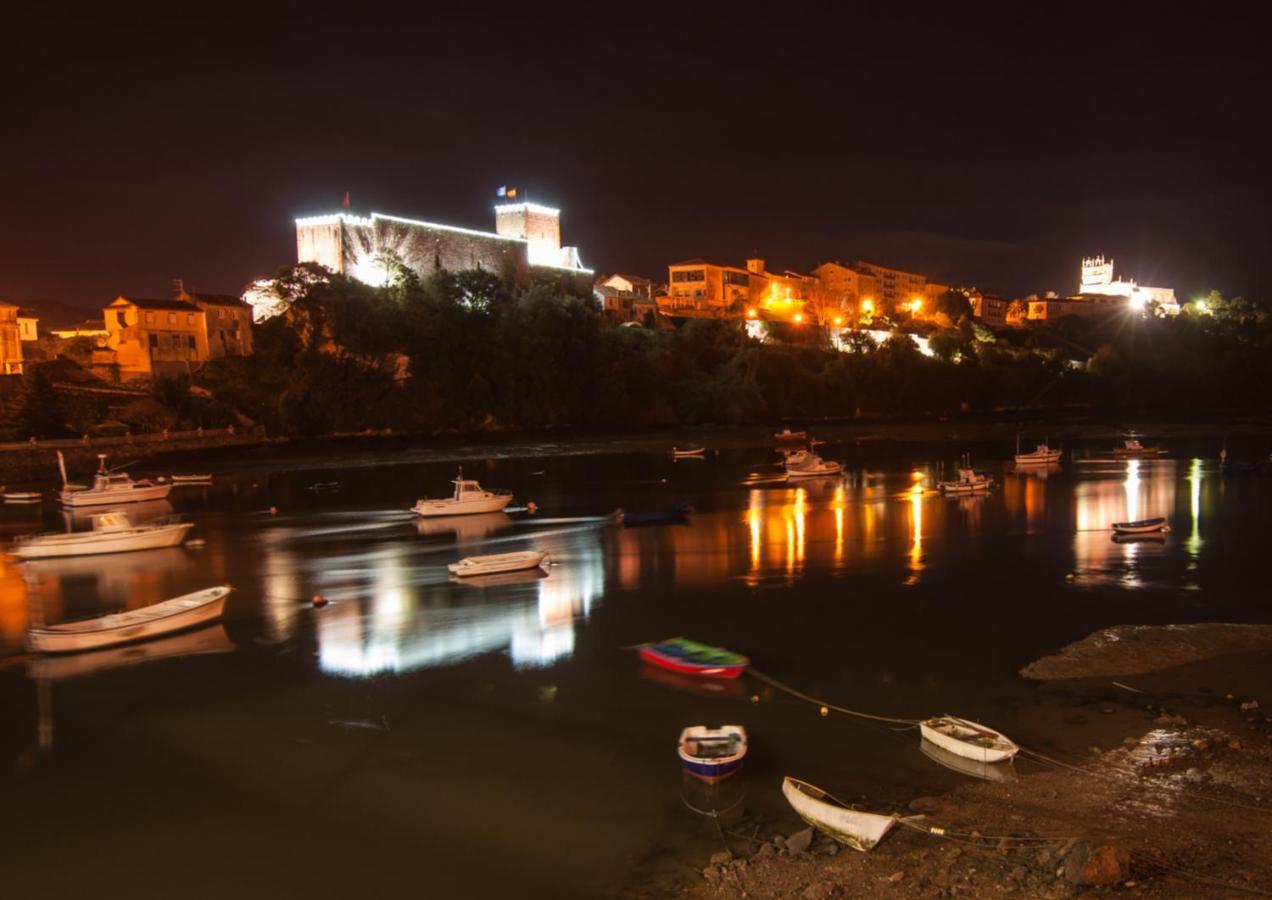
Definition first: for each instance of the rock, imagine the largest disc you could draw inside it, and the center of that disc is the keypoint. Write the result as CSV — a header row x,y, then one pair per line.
x,y
800,841
766,850
1234,744
896,876
1250,704
821,890
711,873
740,865
719,859
925,805
828,848
1103,865
1130,741
779,842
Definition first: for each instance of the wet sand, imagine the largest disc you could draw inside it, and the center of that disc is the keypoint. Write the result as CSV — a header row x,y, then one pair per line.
x,y
1158,788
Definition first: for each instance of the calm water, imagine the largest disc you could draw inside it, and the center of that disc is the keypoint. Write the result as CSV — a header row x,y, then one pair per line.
x,y
422,736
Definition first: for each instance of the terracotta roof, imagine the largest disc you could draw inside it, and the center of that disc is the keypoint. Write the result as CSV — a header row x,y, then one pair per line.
x,y
170,305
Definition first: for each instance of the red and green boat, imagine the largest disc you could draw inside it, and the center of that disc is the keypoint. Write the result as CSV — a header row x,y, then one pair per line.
x,y
691,658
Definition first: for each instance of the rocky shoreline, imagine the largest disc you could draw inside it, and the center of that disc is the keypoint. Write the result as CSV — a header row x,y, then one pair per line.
x,y
1160,791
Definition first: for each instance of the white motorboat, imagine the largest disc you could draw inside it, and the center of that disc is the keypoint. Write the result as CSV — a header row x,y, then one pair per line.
x,y
109,487
1133,449
22,496
1042,455
968,739
162,618
859,830
469,497
969,481
112,533
1142,526
498,562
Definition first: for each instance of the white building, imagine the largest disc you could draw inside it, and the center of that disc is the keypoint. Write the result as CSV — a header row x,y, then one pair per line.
x,y
1097,278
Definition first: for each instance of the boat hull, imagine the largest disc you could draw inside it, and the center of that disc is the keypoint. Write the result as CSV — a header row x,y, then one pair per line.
x,y
1153,526
90,497
96,543
496,565
167,617
1043,459
710,772
966,750
858,830
652,656
959,488
448,507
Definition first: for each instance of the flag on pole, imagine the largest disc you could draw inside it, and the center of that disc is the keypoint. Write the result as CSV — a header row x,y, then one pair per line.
x,y
509,193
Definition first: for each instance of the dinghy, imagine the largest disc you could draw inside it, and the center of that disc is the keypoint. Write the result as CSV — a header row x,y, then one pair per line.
x,y
22,496
1142,526
112,533
1042,455
688,452
966,738
787,435
712,754
859,830
162,618
497,563
469,497
681,655
191,479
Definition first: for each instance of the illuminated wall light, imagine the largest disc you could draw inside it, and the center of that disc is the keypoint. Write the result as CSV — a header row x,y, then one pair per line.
x,y
527,207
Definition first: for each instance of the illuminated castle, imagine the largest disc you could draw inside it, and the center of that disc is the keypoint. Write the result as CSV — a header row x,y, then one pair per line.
x,y
1097,278
526,243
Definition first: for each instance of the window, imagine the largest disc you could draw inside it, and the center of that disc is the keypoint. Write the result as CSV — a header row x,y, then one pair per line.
x,y
736,278
122,318
154,342
150,318
689,275
190,340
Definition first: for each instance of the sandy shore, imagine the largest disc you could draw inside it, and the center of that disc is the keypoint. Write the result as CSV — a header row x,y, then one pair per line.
x,y
1160,789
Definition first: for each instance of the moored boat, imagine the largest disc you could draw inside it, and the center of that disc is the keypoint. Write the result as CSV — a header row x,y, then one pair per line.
x,y
712,754
177,614
687,452
787,435
497,563
192,479
1133,449
807,464
22,496
1142,526
469,497
112,533
968,739
969,481
1042,455
857,829
109,487
682,655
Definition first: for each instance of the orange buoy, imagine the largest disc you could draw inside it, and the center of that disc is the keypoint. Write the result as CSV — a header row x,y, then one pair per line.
x,y
273,510
319,600
532,507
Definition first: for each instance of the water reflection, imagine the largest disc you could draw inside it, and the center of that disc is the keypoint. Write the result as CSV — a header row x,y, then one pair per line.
x,y
395,610
1119,492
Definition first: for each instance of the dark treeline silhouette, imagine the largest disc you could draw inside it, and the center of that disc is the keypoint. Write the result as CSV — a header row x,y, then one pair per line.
x,y
468,352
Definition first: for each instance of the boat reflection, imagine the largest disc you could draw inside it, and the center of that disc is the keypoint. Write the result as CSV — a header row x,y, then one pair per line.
x,y
692,684
138,513
394,613
1119,492
999,772
717,800
61,588
466,529
212,639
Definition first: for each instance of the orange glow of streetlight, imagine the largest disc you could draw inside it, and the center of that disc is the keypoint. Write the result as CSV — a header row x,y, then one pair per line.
x,y
799,318
916,304
867,306
751,313
839,320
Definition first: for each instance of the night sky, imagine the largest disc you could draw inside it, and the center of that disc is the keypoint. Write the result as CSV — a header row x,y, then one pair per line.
x,y
992,151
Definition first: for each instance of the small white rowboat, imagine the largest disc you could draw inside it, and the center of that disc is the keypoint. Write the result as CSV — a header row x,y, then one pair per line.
x,y
859,830
687,452
172,615
499,562
969,739
1143,526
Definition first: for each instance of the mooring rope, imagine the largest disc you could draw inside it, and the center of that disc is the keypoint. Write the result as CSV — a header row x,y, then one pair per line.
x,y
768,679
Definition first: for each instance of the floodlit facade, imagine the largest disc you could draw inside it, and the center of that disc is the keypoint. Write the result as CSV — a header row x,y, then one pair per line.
x,y
1096,280
28,325
895,289
228,321
10,340
699,289
156,337
525,245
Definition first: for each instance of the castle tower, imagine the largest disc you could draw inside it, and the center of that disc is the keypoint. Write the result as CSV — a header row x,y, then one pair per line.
x,y
539,226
